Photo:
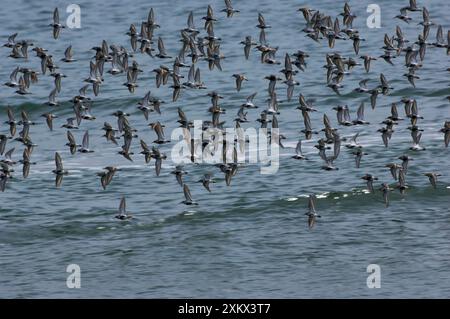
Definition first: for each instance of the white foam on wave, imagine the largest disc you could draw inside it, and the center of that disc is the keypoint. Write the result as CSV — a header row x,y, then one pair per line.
x,y
189,213
323,195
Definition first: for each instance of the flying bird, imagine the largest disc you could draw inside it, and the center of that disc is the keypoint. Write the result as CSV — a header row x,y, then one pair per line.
x,y
56,25
59,171
122,213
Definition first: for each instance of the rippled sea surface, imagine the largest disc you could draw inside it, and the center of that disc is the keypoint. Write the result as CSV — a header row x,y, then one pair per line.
x,y
249,239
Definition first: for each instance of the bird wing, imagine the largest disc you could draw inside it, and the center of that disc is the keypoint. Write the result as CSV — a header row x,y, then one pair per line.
x,y
439,35
187,193
12,38
425,15
209,13
13,76
52,95
9,153
191,73
312,204
336,27
159,131
10,115
373,98
127,143
58,162
190,20
307,121
197,76
82,91
182,115
337,147
92,69
346,114
85,143
384,136
247,50
262,37
105,49
394,111
24,116
151,17
414,110
383,80
56,16
179,179
287,63
161,47
251,97
144,146
326,121
68,53
358,160
346,9
71,138
298,148
360,112
2,145
261,20
122,206
49,121
158,163
354,137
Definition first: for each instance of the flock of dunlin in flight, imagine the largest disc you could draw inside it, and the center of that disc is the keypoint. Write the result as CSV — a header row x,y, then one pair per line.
x,y
206,47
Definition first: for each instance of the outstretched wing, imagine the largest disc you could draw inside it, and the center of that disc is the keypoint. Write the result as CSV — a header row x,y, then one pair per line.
x,y
298,148
56,16
261,20
85,143
187,193
58,162
312,204
122,206
71,138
